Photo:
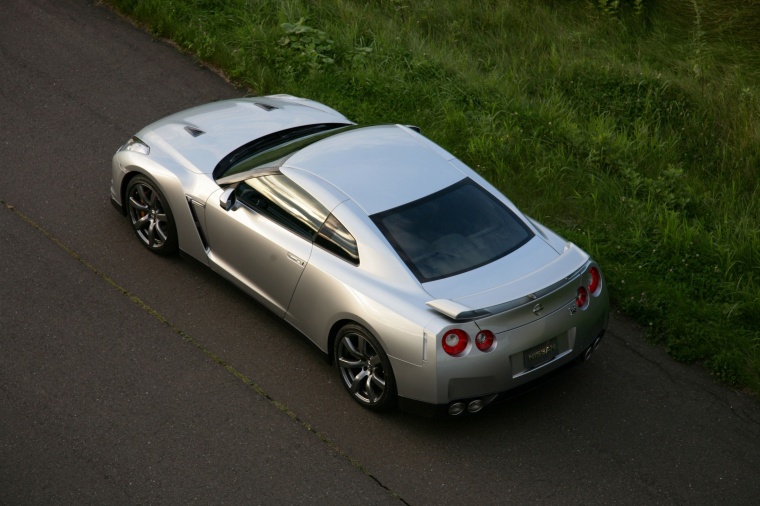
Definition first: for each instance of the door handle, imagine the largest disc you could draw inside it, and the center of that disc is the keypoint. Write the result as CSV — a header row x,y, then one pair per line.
x,y
296,259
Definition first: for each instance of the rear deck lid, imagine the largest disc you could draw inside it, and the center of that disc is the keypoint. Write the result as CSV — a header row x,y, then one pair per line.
x,y
533,274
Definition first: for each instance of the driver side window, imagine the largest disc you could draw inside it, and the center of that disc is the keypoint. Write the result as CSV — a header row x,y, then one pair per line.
x,y
290,206
284,202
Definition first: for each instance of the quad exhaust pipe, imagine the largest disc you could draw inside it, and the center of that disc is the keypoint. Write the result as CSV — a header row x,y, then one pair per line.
x,y
591,349
475,405
470,406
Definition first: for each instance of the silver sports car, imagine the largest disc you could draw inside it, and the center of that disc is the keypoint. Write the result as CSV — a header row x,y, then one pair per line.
x,y
425,286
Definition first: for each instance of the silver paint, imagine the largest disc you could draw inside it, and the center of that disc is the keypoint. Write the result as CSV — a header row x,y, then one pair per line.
x,y
354,174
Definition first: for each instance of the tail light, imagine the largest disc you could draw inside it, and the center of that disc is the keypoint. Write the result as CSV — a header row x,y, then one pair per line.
x,y
581,298
592,286
484,340
455,341
594,279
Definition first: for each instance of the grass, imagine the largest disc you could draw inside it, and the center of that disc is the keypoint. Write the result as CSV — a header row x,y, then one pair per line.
x,y
631,127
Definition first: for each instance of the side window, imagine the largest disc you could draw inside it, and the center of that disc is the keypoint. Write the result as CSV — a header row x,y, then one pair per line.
x,y
334,237
284,202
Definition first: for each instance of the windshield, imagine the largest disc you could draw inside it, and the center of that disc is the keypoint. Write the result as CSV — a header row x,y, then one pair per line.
x,y
452,231
273,147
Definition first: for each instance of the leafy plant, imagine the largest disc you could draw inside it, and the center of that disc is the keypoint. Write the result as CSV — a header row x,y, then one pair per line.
x,y
304,47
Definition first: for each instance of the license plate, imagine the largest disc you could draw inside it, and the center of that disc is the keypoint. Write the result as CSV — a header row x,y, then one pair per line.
x,y
541,354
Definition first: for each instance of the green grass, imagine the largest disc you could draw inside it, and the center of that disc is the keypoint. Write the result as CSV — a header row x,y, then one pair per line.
x,y
631,127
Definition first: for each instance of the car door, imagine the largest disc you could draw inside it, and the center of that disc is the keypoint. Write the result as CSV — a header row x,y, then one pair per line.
x,y
262,238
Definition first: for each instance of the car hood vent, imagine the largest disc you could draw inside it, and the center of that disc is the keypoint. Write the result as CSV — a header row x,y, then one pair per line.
x,y
195,132
266,107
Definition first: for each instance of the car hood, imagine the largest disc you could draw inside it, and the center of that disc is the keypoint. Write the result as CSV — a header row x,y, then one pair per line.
x,y
523,275
198,138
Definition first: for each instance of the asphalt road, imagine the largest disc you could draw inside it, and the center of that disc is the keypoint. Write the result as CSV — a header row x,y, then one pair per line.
x,y
128,378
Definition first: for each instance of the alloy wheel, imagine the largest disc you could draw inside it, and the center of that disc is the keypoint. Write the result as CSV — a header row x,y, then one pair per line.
x,y
362,368
151,216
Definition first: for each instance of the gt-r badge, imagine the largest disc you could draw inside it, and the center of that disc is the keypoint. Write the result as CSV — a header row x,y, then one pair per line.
x,y
537,309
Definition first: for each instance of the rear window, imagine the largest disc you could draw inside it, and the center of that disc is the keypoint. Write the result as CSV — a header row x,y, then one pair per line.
x,y
455,230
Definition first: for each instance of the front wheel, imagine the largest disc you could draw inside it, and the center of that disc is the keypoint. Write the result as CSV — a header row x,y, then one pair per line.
x,y
364,368
151,217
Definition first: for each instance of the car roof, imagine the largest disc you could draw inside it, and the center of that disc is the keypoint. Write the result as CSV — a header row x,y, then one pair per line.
x,y
201,136
379,167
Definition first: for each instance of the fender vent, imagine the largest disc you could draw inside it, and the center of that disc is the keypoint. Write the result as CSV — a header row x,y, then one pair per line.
x,y
192,203
195,132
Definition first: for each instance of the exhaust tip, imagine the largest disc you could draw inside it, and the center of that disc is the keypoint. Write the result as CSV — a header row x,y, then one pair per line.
x,y
475,406
456,409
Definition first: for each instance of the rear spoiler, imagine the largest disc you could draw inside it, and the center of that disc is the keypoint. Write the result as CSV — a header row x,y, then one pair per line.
x,y
457,311
461,312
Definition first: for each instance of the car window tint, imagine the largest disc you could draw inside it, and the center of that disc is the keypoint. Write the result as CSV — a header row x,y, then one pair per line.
x,y
274,146
334,237
283,201
452,231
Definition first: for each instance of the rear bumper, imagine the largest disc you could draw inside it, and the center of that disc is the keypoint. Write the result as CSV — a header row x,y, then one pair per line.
x,y
471,405
516,362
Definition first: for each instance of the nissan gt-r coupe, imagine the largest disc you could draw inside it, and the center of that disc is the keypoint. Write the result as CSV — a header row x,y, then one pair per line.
x,y
424,285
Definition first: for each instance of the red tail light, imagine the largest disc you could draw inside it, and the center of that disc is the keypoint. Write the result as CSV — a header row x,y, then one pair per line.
x,y
582,297
594,278
455,341
484,340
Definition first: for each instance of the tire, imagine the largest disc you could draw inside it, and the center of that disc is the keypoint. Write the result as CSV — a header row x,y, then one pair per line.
x,y
151,217
364,368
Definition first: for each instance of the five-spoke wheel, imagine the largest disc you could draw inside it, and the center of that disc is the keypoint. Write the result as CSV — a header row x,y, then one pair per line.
x,y
151,217
364,368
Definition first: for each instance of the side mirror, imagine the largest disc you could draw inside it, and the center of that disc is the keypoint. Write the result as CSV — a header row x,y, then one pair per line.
x,y
227,199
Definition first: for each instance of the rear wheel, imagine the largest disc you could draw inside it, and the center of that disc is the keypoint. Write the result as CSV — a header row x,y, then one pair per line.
x,y
151,217
364,368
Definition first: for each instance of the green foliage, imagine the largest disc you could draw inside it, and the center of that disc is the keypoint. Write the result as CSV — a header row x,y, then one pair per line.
x,y
304,48
613,7
629,126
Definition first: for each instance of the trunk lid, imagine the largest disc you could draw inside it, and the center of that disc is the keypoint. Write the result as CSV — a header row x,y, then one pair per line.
x,y
531,282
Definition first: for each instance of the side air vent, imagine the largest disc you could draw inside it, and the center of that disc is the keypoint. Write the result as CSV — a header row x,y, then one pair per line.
x,y
194,131
193,205
266,107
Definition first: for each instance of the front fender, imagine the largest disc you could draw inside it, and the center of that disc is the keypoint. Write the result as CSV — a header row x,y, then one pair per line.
x,y
177,184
